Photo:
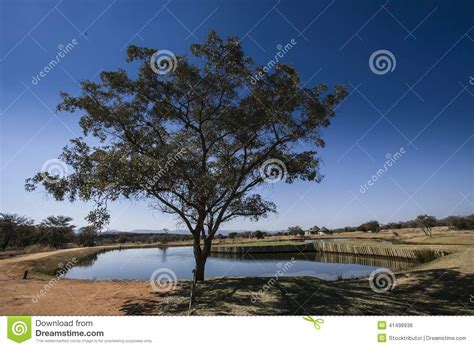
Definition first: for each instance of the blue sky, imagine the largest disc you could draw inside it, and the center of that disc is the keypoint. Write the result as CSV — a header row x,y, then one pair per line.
x,y
425,105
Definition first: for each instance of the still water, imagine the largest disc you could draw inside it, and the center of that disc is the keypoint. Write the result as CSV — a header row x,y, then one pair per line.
x,y
141,263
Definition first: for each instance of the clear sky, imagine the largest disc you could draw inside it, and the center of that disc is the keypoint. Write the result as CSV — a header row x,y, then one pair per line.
x,y
423,104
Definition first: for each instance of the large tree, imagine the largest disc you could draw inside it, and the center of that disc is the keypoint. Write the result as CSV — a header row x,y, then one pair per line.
x,y
195,142
426,222
57,231
11,226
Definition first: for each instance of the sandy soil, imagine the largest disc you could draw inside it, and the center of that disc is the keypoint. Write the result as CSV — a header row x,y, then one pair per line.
x,y
43,294
71,297
443,286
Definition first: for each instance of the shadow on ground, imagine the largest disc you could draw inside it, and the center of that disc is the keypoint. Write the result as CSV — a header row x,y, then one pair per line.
x,y
434,292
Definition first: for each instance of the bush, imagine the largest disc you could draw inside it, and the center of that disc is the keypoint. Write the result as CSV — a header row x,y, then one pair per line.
x,y
121,239
87,236
461,222
233,235
296,231
372,226
258,234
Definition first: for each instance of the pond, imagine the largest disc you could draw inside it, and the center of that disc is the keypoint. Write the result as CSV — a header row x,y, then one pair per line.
x,y
141,263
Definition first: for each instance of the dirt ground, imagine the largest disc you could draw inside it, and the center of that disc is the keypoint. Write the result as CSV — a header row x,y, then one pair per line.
x,y
443,287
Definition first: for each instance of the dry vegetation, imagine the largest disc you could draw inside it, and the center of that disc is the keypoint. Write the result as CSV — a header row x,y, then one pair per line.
x,y
442,286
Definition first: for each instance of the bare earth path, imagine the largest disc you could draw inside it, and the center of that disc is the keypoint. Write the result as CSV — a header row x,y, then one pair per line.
x,y
444,286
37,256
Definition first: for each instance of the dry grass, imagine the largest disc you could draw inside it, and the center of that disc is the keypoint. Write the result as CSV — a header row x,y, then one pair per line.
x,y
435,292
439,287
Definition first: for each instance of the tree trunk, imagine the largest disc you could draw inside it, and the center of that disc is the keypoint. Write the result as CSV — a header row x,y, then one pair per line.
x,y
200,266
200,257
8,232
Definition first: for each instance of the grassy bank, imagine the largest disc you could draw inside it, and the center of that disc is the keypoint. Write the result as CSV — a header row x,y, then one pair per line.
x,y
458,244
439,287
371,249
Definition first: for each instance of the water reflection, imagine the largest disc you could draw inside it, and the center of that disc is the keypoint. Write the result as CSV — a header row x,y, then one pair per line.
x,y
141,263
393,264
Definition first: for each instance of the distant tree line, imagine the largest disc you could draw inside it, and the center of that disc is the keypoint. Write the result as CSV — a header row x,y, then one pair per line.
x,y
246,234
425,222
106,238
18,232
